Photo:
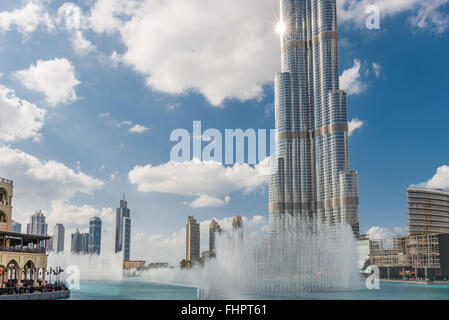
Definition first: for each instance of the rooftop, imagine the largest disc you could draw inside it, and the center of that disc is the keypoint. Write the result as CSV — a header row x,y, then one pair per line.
x,y
3,180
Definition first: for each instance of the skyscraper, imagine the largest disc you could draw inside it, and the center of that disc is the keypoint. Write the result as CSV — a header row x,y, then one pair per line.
x,y
214,229
37,225
123,230
95,235
58,238
312,177
80,242
237,227
16,227
192,240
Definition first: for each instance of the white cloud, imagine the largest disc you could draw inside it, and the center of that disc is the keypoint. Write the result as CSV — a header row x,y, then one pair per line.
x,y
26,19
81,45
138,128
107,15
72,216
194,41
204,201
354,124
379,233
197,178
19,118
351,81
427,15
55,78
377,69
37,183
439,181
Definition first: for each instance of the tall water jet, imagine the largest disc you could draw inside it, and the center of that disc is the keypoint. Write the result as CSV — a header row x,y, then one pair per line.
x,y
309,256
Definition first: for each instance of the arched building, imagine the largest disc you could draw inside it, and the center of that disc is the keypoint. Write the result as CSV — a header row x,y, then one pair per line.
x,y
22,256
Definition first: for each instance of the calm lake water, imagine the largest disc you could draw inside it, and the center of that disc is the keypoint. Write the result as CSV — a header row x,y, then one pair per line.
x,y
132,289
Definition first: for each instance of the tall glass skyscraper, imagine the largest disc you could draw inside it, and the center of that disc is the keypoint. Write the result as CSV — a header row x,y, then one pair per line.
x,y
312,177
123,230
95,235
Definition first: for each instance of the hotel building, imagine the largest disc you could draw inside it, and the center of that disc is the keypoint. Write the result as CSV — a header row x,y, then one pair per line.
x,y
312,176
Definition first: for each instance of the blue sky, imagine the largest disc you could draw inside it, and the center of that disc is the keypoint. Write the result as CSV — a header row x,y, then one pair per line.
x,y
128,65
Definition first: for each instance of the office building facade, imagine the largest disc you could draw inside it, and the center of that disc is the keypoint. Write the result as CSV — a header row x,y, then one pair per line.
x,y
95,235
16,227
58,238
37,225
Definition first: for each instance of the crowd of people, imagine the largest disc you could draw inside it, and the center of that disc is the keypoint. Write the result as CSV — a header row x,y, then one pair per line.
x,y
44,287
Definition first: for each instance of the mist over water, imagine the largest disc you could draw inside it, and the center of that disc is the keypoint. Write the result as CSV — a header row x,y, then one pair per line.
x,y
307,256
107,266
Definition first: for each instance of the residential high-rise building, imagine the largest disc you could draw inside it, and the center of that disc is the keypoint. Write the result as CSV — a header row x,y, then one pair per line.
x,y
16,227
123,230
214,229
95,235
237,227
77,242
312,176
428,211
192,240
58,238
80,242
84,243
37,225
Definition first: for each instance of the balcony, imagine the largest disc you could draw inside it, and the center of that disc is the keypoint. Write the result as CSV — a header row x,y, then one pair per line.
x,y
23,250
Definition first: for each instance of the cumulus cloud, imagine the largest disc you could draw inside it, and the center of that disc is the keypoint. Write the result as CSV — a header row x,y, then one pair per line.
x,y
379,233
26,19
207,201
354,124
439,181
72,216
171,247
351,81
138,128
55,78
194,41
19,118
197,178
423,14
40,182
81,45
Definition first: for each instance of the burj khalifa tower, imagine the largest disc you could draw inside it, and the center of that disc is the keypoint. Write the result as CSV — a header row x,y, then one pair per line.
x,y
313,178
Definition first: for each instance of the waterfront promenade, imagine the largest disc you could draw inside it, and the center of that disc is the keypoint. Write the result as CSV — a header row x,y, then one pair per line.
x,y
37,296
